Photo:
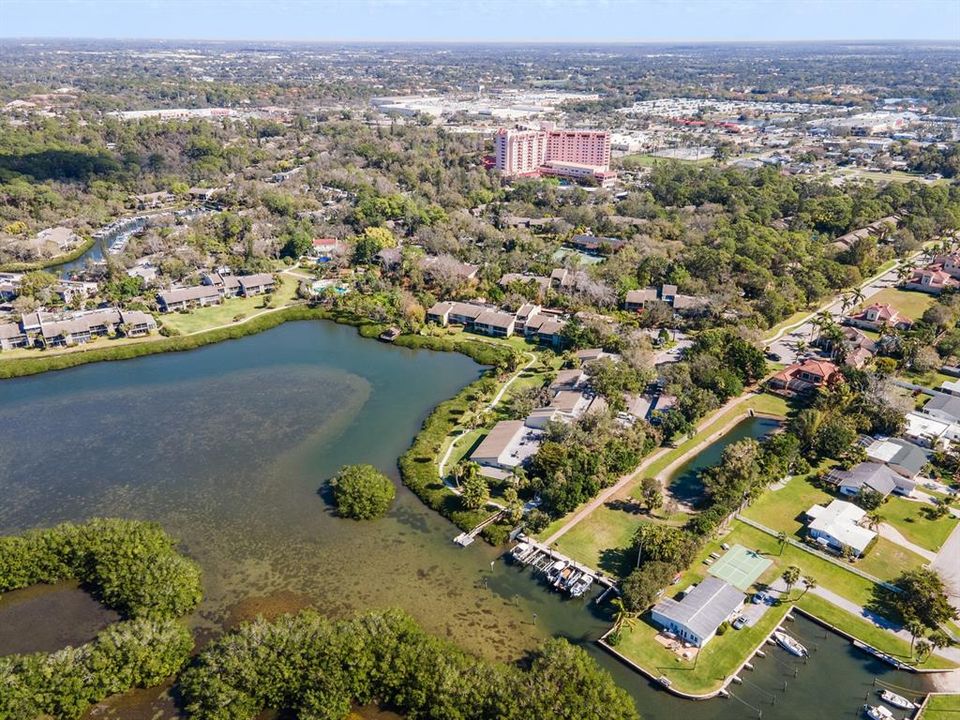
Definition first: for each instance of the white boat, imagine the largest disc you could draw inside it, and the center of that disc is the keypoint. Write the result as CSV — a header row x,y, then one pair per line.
x,y
581,585
555,570
789,644
520,550
898,701
878,712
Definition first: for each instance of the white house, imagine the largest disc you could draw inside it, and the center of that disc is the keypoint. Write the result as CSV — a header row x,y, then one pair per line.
x,y
837,526
696,617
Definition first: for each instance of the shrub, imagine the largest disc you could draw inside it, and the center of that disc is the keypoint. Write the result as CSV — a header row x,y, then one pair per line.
x,y
131,567
362,492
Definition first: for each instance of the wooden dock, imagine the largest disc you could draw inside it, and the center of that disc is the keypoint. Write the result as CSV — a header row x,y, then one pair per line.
x,y
540,558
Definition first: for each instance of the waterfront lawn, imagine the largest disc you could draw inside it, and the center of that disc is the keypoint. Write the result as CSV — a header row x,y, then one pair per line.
x,y
906,516
864,630
782,509
910,303
225,313
721,657
941,707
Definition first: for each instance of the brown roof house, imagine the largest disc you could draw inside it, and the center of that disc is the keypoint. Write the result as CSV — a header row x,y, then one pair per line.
x,y
804,377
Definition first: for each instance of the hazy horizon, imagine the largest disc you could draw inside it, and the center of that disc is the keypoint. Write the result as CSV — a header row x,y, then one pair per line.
x,y
485,21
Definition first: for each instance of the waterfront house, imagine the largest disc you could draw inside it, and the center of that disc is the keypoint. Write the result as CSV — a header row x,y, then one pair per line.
x,y
837,526
256,284
509,444
494,323
12,336
804,377
226,284
176,299
545,329
135,323
696,617
525,313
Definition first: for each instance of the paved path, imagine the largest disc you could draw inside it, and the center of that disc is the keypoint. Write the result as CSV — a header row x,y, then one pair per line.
x,y
893,535
649,460
947,565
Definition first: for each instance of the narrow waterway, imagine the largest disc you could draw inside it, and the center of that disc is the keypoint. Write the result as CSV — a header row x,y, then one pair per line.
x,y
227,447
684,482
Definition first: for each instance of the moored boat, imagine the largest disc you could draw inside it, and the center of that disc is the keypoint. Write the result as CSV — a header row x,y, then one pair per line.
x,y
563,576
878,712
581,585
568,584
555,570
520,551
898,701
789,644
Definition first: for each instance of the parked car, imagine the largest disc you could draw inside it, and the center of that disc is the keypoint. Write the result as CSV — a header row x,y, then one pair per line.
x,y
739,622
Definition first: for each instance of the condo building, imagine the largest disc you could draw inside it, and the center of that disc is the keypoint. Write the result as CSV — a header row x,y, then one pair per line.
x,y
574,154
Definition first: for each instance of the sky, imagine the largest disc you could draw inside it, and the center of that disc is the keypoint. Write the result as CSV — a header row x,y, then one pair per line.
x,y
484,20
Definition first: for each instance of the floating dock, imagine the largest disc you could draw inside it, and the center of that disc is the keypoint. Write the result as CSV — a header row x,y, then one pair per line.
x,y
540,558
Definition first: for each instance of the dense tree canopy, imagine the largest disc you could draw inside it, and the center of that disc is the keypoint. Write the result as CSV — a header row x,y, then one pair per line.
x,y
362,492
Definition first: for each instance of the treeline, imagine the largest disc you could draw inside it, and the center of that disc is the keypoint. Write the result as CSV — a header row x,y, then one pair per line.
x,y
132,567
315,669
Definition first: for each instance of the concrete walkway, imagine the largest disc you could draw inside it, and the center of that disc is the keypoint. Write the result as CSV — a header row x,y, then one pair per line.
x,y
893,535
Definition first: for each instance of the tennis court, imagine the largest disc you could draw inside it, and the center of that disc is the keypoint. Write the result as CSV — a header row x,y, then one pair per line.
x,y
740,567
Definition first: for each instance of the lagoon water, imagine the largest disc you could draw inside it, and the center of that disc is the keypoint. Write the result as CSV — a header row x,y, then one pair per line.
x,y
227,447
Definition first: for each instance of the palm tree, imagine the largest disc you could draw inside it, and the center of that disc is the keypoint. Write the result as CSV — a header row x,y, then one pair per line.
x,y
924,648
782,539
809,583
915,628
790,577
874,519
621,616
939,639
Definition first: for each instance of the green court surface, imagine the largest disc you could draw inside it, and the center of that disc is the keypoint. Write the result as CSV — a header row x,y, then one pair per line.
x,y
739,567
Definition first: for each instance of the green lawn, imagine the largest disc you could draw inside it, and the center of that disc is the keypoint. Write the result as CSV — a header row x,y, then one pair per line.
x,y
225,313
780,509
942,707
887,560
866,631
907,302
906,517
720,658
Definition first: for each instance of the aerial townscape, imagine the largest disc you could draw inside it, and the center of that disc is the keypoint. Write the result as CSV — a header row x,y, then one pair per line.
x,y
480,361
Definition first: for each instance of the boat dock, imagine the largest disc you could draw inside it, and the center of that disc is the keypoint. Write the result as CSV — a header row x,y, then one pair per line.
x,y
540,558
466,538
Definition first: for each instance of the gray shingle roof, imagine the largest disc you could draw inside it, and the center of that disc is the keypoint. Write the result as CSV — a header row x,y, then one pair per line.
x,y
704,608
947,404
874,475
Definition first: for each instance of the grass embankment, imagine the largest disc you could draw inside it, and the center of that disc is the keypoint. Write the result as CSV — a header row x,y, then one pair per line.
x,y
941,707
51,261
419,464
867,632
